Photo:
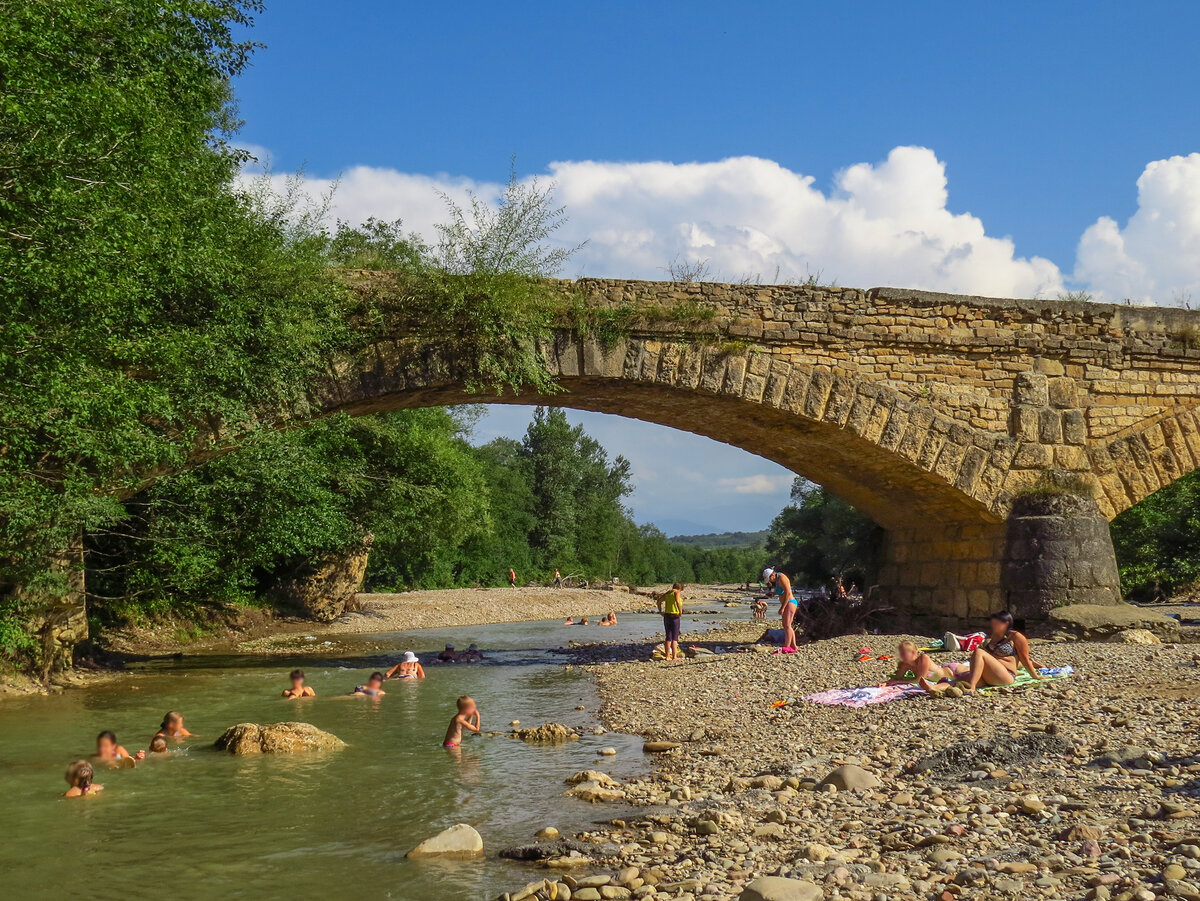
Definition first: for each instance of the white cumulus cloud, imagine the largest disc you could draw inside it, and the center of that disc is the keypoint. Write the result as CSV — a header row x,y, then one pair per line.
x,y
1155,258
884,223
757,484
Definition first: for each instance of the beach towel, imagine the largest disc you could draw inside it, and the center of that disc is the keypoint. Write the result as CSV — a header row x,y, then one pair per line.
x,y
862,697
1048,673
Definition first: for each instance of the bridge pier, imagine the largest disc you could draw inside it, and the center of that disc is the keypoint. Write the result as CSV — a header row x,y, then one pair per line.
x,y
1053,551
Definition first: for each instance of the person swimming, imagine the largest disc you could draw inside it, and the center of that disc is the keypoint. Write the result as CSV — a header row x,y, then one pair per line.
x,y
298,689
79,776
172,726
112,753
467,717
408,668
448,655
373,688
158,746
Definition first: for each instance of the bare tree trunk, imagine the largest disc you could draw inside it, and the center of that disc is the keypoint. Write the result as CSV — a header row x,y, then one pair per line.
x,y
60,617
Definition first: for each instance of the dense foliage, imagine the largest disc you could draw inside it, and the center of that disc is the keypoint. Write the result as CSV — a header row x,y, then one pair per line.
x,y
158,310
818,539
1158,541
442,513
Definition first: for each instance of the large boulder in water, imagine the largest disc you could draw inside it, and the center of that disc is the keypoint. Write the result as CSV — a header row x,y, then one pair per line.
x,y
321,590
458,842
276,738
546,734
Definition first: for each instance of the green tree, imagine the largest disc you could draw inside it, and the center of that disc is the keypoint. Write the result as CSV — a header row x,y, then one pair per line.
x,y
817,539
1158,541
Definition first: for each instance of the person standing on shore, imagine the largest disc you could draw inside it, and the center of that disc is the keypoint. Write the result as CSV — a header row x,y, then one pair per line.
x,y
557,578
512,578
670,605
782,586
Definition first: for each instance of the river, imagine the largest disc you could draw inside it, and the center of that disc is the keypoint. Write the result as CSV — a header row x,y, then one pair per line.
x,y
204,824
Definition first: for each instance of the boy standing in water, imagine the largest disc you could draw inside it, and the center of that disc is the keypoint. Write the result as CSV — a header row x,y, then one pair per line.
x,y
670,605
466,718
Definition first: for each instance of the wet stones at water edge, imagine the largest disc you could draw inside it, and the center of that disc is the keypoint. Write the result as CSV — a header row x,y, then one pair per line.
x,y
276,738
546,734
459,842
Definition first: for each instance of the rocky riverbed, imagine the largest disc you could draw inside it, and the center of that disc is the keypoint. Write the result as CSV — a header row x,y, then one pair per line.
x,y
1086,787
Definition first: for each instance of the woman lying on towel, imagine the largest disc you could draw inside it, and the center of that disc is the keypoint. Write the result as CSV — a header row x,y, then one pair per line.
x,y
916,666
996,661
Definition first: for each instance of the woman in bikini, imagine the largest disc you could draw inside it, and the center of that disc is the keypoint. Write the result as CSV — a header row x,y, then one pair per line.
x,y
996,661
782,586
408,668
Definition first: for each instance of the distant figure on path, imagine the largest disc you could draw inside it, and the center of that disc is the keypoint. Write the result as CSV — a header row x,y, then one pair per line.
x,y
512,577
670,605
557,579
466,718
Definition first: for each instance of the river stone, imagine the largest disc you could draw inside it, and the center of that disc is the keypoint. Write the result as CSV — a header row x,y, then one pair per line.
x,y
458,842
276,738
546,734
777,888
659,747
1134,636
592,776
849,778
320,590
594,791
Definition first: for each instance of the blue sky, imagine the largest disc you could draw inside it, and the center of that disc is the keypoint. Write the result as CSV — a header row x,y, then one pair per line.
x,y
1029,147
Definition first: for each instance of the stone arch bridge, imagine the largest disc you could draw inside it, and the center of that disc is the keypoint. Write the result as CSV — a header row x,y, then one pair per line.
x,y
992,439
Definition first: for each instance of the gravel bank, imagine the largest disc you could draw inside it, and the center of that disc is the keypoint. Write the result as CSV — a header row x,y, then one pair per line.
x,y
1082,788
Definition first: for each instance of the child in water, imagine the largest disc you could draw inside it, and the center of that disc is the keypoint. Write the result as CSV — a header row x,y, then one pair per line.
x,y
158,746
172,727
466,718
408,668
373,688
298,689
79,776
112,753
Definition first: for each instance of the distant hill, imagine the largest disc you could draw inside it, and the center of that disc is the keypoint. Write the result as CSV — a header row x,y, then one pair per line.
x,y
722,539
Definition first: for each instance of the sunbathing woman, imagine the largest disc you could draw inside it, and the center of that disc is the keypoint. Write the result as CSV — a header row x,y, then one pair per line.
x,y
916,666
995,662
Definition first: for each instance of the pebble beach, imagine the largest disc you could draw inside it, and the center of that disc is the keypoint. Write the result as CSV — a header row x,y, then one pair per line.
x,y
1087,787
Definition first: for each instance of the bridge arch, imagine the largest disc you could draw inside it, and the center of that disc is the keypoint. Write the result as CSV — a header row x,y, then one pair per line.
x,y
937,415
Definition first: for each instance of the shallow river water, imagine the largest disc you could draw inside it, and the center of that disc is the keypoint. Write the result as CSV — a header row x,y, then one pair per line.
x,y
204,824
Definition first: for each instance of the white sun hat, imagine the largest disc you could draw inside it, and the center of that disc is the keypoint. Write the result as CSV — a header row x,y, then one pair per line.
x,y
410,657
